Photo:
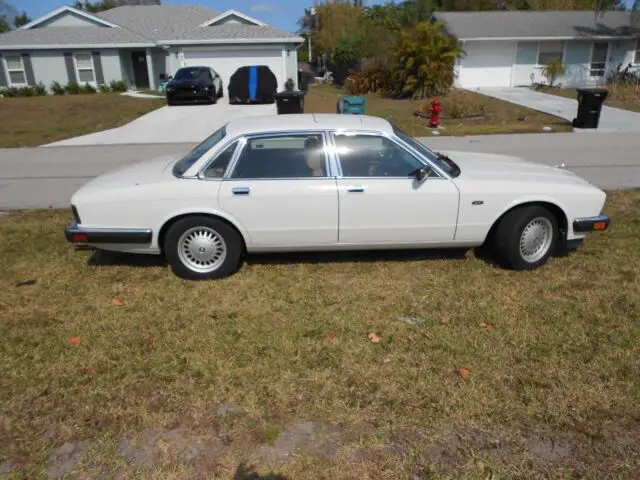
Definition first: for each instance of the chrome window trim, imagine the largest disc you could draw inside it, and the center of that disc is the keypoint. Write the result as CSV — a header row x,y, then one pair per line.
x,y
283,133
394,139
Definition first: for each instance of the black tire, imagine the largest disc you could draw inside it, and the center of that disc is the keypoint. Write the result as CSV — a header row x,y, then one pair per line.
x,y
214,96
221,92
509,233
231,240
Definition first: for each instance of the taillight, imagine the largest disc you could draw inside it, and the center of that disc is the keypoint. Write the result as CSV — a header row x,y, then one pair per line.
x,y
74,211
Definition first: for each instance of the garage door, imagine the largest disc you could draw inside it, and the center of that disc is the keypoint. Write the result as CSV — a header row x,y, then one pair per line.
x,y
487,64
226,62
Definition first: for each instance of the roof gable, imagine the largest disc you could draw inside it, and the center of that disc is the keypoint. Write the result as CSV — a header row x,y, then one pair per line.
x,y
233,16
68,17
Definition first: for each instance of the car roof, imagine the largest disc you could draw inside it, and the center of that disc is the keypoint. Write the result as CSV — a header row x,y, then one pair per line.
x,y
307,121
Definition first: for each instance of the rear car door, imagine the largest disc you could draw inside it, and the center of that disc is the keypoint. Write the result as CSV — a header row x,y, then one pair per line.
x,y
280,191
381,204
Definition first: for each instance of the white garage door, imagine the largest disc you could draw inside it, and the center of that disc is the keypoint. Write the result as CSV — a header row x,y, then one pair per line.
x,y
226,62
487,64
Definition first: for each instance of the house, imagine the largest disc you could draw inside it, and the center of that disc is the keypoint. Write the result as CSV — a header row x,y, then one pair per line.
x,y
509,48
142,46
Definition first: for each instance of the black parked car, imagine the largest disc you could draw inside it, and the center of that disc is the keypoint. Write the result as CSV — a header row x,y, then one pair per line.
x,y
193,85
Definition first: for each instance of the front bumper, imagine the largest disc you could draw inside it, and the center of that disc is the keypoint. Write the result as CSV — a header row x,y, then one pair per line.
x,y
590,224
188,95
76,234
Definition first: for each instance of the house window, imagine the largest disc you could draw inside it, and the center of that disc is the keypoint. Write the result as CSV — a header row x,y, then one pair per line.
x,y
15,67
84,66
550,51
599,59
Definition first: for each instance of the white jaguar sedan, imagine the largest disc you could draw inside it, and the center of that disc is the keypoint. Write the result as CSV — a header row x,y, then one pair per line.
x,y
331,182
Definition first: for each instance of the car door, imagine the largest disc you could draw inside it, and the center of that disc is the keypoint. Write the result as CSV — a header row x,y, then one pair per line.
x,y
380,203
280,191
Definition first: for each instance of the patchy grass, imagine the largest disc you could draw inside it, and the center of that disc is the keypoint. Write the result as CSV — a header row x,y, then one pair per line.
x,y
29,122
625,97
484,115
272,369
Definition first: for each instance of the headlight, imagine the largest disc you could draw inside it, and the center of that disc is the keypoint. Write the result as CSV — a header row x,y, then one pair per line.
x,y
170,89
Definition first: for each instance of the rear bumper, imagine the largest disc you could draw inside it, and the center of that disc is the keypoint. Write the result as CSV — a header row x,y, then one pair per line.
x,y
76,234
590,224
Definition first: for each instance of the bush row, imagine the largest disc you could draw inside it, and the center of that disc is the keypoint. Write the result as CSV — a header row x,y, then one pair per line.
x,y
72,88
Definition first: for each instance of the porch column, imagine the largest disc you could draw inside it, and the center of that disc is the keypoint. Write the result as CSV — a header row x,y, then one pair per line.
x,y
150,72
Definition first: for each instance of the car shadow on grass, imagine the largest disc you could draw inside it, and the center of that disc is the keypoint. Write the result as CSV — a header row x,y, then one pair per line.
x,y
105,258
244,472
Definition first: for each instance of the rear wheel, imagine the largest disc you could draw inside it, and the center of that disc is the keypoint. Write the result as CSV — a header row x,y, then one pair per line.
x,y
214,96
526,237
202,248
220,92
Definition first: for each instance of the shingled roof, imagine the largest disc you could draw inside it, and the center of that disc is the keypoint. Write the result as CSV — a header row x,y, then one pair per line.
x,y
564,24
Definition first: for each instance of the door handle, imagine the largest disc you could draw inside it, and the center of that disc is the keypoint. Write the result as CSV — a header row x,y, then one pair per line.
x,y
241,190
356,188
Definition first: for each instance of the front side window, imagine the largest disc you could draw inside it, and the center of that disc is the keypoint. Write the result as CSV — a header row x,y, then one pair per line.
x,y
443,162
219,164
282,156
550,51
84,66
15,67
194,155
373,156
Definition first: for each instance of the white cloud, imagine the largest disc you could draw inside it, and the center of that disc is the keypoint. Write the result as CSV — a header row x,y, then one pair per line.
x,y
264,7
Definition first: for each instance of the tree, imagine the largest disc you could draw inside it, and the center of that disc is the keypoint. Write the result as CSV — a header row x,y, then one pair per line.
x,y
21,20
426,59
99,6
4,25
553,70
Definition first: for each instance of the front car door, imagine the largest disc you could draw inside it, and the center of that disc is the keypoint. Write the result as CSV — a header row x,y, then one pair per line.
x,y
280,191
380,203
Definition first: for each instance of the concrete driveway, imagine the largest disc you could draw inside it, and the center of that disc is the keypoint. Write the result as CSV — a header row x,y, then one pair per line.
x,y
179,124
611,119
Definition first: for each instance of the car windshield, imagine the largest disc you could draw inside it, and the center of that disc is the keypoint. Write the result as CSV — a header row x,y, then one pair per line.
x,y
189,73
442,161
192,157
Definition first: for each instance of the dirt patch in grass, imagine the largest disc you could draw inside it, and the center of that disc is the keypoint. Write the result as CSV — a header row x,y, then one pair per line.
x,y
29,122
626,97
272,369
477,114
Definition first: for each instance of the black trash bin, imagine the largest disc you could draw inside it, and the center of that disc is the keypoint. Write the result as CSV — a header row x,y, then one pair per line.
x,y
590,102
304,79
289,101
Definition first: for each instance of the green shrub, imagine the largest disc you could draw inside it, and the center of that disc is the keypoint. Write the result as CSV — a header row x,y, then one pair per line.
x,y
552,70
57,89
40,89
10,92
73,88
26,92
86,88
104,88
118,86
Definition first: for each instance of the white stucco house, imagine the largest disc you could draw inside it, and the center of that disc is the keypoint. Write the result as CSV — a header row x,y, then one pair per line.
x,y
142,46
508,48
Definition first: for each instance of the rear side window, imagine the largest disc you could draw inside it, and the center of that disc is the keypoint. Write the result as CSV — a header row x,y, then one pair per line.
x,y
282,156
219,165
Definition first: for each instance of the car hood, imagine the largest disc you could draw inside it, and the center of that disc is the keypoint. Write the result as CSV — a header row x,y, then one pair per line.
x,y
488,166
143,173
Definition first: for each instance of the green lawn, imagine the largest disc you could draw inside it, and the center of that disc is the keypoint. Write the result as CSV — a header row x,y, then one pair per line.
x,y
476,114
33,121
114,368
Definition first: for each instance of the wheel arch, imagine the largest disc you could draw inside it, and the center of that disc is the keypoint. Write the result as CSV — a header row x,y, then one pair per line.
x,y
167,225
557,211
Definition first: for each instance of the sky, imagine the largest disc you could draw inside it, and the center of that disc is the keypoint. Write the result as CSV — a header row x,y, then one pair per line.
x,y
282,14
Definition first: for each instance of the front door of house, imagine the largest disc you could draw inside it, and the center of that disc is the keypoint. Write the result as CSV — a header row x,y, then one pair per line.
x,y
599,55
140,72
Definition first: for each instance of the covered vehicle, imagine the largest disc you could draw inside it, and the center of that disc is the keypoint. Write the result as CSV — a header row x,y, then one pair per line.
x,y
253,84
319,182
194,85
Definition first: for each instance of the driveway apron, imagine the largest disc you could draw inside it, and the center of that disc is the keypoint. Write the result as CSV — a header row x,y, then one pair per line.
x,y
611,119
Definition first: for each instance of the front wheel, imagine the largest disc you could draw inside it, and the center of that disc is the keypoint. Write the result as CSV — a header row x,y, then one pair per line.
x,y
202,248
526,237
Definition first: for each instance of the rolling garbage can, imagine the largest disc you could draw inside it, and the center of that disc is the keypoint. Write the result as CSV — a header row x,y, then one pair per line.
x,y
590,102
304,79
351,105
289,101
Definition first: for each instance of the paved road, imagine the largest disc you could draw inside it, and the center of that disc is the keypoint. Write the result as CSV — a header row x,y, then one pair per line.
x,y
47,177
611,119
